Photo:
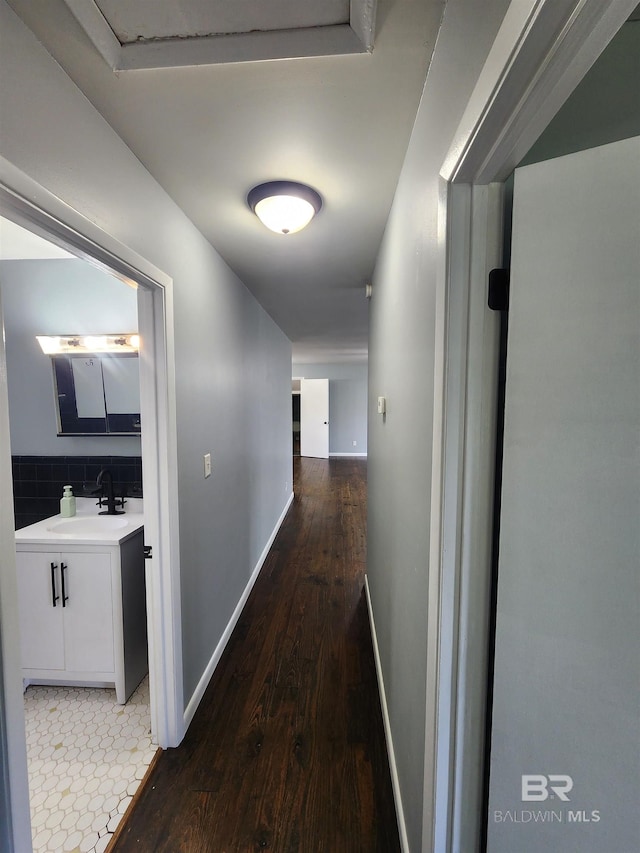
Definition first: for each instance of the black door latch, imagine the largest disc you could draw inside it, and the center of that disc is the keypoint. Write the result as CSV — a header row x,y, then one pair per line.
x,y
499,290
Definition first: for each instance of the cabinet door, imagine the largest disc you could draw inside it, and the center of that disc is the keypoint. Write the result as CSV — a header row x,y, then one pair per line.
x,y
88,613
41,632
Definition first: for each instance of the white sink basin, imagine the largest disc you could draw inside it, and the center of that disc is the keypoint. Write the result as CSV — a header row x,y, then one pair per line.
x,y
91,524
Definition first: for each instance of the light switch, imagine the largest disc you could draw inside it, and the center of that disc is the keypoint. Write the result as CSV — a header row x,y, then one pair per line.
x,y
207,465
382,405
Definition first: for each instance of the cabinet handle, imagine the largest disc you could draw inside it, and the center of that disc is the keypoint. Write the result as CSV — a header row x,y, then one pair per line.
x,y
54,597
65,597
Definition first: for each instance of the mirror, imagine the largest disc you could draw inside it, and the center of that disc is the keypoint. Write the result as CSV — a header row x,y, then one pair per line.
x,y
97,394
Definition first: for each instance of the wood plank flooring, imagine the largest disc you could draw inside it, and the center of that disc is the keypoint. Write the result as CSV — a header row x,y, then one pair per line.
x,y
286,751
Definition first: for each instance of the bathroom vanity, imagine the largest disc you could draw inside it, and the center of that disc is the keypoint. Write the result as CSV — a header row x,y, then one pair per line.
x,y
81,593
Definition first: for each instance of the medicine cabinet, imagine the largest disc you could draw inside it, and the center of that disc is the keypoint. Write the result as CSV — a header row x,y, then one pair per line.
x,y
97,394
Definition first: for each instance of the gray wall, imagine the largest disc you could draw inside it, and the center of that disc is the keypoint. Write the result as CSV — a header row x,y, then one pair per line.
x,y
347,404
226,346
603,108
401,368
50,297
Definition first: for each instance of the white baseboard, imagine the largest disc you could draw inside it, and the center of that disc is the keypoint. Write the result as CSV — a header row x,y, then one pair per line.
x,y
198,693
395,782
340,455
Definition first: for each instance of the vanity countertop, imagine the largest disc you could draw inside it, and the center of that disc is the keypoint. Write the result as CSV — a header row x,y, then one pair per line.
x,y
87,527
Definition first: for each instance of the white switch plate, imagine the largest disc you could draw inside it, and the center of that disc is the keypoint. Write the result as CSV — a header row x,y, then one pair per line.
x,y
207,465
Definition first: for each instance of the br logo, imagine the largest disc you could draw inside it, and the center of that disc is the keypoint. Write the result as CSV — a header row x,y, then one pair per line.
x,y
536,787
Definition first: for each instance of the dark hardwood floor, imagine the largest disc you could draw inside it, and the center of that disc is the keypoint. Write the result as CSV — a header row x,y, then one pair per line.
x,y
286,751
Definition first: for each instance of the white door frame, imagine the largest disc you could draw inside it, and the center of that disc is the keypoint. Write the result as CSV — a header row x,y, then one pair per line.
x,y
542,51
30,205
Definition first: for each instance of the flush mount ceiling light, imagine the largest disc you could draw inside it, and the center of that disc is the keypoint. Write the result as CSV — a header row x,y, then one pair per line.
x,y
80,344
284,206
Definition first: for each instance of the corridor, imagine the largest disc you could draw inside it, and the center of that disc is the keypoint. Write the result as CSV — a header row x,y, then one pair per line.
x,y
286,751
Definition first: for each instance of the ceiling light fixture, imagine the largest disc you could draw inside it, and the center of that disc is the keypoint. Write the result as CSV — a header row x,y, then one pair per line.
x,y
284,206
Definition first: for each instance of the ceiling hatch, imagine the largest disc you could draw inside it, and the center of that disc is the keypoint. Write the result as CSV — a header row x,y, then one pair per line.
x,y
139,34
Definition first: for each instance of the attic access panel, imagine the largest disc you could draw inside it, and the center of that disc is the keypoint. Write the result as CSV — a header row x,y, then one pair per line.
x,y
139,34
137,20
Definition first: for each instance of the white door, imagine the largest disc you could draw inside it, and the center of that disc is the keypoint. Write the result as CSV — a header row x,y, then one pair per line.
x,y
314,418
565,747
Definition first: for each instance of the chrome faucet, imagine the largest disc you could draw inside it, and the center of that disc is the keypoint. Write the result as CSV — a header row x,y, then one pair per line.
x,y
105,476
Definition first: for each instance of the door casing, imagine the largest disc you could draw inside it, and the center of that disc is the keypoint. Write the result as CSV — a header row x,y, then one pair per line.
x,y
28,204
542,51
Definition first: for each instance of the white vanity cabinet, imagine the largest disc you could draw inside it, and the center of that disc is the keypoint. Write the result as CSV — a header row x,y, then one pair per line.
x,y
83,614
66,611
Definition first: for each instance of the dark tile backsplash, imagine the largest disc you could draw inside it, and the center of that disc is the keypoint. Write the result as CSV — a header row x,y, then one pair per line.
x,y
38,481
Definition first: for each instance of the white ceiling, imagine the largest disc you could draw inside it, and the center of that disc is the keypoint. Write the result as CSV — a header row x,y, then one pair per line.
x,y
209,132
17,243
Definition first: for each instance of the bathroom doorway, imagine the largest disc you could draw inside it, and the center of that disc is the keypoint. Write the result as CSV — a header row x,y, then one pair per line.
x,y
166,717
86,753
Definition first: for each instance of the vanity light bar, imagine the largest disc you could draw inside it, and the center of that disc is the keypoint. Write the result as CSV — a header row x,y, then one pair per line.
x,y
53,344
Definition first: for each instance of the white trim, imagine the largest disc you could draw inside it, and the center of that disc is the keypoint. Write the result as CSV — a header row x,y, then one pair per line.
x,y
347,455
93,22
542,51
32,206
16,798
157,398
476,522
362,17
540,54
473,219
433,605
331,40
51,218
475,241
202,685
456,211
393,768
338,40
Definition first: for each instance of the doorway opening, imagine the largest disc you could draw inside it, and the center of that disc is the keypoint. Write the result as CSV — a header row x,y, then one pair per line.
x,y
86,752
314,418
474,185
584,134
295,413
152,298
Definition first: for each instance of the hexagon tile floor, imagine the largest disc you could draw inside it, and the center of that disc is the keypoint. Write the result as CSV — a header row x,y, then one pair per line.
x,y
87,756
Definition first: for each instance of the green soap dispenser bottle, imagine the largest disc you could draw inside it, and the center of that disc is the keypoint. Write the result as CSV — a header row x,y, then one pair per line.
x,y
67,503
